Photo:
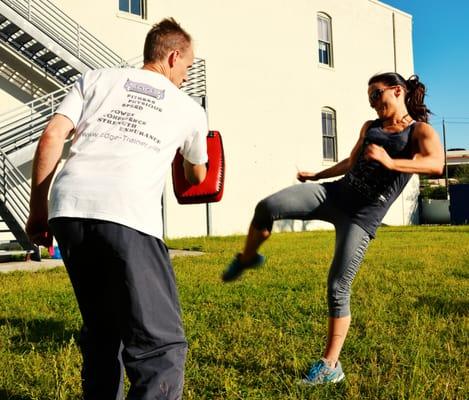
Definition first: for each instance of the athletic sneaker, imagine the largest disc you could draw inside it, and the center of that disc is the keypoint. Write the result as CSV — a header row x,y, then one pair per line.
x,y
236,268
321,373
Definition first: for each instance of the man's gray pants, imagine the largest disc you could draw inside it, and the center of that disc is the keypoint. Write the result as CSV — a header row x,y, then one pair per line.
x,y
125,287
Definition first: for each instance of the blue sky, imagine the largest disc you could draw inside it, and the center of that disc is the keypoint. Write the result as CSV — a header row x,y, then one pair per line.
x,y
441,59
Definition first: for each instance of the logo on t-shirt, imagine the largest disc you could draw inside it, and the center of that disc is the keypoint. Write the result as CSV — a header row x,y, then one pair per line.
x,y
143,88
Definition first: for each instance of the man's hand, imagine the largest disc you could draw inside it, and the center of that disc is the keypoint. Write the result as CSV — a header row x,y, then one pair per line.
x,y
378,153
304,176
194,173
38,230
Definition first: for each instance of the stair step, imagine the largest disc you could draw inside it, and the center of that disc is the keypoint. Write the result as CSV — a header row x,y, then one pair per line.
x,y
17,229
70,73
10,245
34,48
8,256
46,57
58,65
9,30
2,19
22,39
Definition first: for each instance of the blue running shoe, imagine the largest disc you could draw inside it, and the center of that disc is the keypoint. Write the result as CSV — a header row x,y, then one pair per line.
x,y
236,268
321,373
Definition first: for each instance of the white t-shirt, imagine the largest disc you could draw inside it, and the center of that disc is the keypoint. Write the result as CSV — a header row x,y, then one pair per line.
x,y
129,124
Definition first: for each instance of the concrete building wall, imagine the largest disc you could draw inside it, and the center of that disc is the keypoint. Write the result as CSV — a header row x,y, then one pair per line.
x,y
266,88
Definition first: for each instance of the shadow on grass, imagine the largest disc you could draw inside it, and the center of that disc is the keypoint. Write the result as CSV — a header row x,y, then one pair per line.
x,y
7,395
460,274
446,307
44,334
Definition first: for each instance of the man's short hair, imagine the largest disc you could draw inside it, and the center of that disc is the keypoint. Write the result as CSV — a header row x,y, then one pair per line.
x,y
163,37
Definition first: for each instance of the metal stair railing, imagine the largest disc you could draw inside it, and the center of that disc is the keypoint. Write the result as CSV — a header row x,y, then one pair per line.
x,y
14,190
196,84
48,18
24,125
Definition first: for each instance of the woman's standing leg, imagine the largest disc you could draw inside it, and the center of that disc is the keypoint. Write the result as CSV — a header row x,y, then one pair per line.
x,y
351,244
336,333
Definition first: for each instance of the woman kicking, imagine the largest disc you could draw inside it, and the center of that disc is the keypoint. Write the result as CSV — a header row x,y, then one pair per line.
x,y
389,150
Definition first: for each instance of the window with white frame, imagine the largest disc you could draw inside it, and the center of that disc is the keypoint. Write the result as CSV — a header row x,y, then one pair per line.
x,y
325,39
329,134
134,7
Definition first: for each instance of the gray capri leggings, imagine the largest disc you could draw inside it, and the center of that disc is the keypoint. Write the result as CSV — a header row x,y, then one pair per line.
x,y
310,201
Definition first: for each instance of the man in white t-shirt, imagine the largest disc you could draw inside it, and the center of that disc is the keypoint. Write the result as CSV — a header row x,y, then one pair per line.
x,y
105,212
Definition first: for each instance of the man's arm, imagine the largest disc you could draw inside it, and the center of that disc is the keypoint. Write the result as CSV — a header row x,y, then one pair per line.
x,y
428,159
47,157
340,168
194,173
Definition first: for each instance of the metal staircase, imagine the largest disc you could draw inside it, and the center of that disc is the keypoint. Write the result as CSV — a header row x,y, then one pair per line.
x,y
42,34
62,52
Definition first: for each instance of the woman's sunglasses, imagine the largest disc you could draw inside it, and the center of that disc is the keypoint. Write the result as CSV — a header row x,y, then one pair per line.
x,y
376,94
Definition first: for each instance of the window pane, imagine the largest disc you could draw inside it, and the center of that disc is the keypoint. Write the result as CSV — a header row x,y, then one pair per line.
x,y
324,29
124,5
328,148
323,53
329,125
135,7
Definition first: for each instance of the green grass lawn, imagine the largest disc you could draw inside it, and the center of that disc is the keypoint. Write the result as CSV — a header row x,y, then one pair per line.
x,y
254,339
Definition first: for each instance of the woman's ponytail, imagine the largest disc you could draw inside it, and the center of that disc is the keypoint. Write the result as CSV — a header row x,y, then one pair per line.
x,y
414,99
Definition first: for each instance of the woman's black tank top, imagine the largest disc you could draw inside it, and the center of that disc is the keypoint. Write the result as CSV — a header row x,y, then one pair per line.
x,y
367,191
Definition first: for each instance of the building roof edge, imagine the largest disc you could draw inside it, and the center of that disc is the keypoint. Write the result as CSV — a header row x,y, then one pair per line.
x,y
384,5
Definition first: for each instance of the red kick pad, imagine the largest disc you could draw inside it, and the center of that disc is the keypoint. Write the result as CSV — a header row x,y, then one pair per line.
x,y
211,189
